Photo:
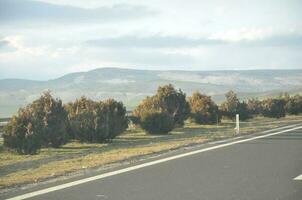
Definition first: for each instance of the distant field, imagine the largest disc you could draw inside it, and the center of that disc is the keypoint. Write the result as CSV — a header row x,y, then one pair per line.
x,y
78,157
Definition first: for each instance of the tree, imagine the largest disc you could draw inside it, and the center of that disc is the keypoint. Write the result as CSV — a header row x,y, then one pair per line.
x,y
273,107
81,119
91,121
174,103
230,107
203,109
166,102
157,122
243,111
21,134
152,118
254,106
233,106
293,105
149,104
52,119
110,119
43,122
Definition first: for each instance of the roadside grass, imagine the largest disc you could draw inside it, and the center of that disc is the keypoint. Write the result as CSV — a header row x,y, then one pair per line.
x,y
50,162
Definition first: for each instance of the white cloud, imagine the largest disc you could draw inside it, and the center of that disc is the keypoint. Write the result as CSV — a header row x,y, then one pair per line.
x,y
243,34
17,42
196,35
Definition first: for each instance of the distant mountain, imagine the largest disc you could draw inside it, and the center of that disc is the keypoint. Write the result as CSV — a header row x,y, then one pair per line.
x,y
130,86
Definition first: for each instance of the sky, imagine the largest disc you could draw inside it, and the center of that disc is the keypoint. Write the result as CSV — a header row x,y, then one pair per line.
x,y
45,39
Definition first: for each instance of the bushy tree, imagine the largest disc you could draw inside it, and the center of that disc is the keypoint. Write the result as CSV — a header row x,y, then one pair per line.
x,y
111,119
157,122
151,117
91,121
243,111
254,106
174,103
166,102
233,106
293,105
149,104
21,134
273,107
43,122
230,107
52,118
81,115
203,109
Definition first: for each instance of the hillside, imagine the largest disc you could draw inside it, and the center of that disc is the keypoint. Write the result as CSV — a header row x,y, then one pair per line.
x,y
130,86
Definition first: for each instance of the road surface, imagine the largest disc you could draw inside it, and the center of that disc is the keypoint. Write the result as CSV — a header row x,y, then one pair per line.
x,y
262,168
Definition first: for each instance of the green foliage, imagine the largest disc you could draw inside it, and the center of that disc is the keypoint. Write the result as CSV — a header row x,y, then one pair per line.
x,y
230,107
293,105
243,111
91,121
157,122
81,119
111,119
42,122
21,134
273,107
233,106
174,103
149,104
203,109
52,120
166,104
254,106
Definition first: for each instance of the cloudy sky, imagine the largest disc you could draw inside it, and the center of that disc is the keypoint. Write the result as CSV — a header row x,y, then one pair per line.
x,y
44,39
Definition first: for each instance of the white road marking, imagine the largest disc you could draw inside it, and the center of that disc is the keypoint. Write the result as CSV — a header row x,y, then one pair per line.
x,y
298,178
101,176
280,128
101,196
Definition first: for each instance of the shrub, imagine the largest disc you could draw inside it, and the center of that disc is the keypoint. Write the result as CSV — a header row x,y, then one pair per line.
x,y
273,108
254,106
174,103
20,133
91,121
42,122
52,119
294,105
149,104
157,122
166,102
111,119
81,117
233,106
243,111
229,108
203,109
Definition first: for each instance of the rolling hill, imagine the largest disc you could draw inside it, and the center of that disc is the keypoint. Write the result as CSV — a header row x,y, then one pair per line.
x,y
130,86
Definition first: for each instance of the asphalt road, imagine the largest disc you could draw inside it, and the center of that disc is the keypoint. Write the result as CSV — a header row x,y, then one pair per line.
x,y
261,169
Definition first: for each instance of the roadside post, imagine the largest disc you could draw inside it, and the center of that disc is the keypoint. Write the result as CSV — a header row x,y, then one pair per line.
x,y
237,124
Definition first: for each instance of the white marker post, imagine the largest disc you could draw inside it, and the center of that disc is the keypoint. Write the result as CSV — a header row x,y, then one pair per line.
x,y
237,124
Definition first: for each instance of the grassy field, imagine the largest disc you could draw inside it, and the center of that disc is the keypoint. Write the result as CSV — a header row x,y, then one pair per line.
x,y
76,157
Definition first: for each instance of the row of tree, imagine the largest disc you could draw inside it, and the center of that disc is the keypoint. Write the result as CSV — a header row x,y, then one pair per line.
x,y
47,122
169,108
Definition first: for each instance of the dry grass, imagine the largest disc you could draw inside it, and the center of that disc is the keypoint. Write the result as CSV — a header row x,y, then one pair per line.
x,y
74,156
